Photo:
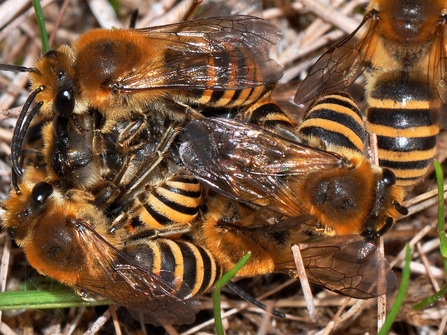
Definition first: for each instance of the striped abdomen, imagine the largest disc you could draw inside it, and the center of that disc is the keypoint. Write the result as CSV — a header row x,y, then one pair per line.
x,y
399,115
249,70
334,119
268,115
228,98
181,264
174,201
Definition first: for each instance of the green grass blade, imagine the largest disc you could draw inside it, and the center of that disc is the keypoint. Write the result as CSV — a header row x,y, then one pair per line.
x,y
442,238
41,25
34,299
431,299
441,221
400,294
216,292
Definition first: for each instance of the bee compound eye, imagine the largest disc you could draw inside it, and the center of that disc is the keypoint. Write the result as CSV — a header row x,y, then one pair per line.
x,y
41,191
64,102
388,177
11,232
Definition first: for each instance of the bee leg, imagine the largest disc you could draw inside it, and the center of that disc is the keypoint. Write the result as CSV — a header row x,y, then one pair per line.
x,y
191,113
191,10
127,212
171,232
130,139
146,162
105,193
244,295
78,126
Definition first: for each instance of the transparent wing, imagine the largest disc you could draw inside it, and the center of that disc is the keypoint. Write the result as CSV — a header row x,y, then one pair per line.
x,y
213,8
122,279
342,64
437,73
251,165
350,266
218,53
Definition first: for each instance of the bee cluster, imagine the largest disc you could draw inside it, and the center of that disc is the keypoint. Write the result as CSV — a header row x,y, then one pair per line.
x,y
147,162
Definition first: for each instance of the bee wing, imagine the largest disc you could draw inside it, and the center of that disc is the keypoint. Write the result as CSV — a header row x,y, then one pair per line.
x,y
219,53
350,266
248,164
437,73
262,223
123,280
342,64
233,7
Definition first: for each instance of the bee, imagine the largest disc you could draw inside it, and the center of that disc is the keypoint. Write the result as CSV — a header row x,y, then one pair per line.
x,y
65,236
170,70
124,174
131,164
344,193
136,177
275,192
349,265
402,45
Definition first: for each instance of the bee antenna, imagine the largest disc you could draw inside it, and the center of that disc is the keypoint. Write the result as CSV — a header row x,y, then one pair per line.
x,y
244,295
16,68
20,129
14,182
133,19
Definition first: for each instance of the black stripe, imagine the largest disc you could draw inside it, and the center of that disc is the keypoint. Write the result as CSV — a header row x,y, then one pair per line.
x,y
142,253
252,92
340,118
329,137
419,165
397,88
185,180
264,111
269,115
176,206
207,266
189,264
339,102
136,222
216,95
168,262
399,118
189,194
195,94
161,219
236,95
412,180
405,144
